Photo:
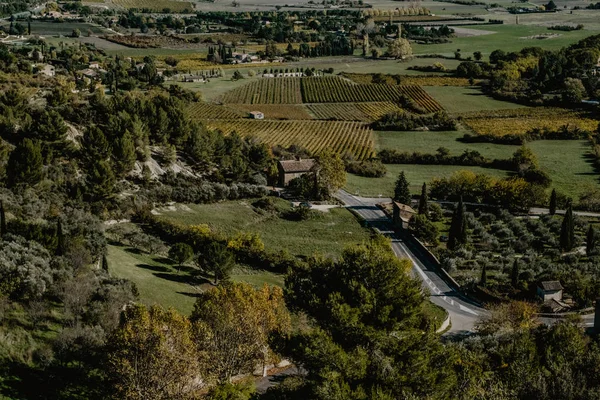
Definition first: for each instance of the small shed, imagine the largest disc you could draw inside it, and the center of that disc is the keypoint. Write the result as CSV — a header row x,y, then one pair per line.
x,y
402,214
550,290
292,169
257,115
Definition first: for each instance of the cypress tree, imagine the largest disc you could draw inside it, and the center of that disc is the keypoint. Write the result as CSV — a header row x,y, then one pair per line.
x,y
567,231
60,248
401,191
590,240
553,202
515,273
104,262
483,279
2,219
458,227
423,206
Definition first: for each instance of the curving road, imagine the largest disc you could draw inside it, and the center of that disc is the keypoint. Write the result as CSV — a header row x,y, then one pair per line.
x,y
463,312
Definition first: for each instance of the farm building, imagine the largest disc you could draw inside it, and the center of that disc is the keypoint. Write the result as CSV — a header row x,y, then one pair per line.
x,y
257,115
402,214
550,290
292,169
193,78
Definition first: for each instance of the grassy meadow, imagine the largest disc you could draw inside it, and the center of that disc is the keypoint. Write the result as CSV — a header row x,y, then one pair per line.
x,y
327,234
465,99
159,282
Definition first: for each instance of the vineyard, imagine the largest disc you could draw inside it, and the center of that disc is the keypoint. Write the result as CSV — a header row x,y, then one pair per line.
x,y
267,91
353,137
274,111
158,6
366,112
204,111
330,89
521,120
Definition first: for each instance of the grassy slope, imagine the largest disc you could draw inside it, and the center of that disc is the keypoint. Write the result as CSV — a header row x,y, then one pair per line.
x,y
328,234
466,99
159,282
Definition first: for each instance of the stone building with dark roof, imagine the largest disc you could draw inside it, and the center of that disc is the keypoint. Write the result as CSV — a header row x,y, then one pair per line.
x,y
291,169
550,290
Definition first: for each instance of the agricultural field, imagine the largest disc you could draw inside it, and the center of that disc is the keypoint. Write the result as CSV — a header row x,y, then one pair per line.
x,y
520,121
366,112
416,175
429,142
329,89
202,111
267,91
466,99
411,80
157,6
327,234
274,111
355,138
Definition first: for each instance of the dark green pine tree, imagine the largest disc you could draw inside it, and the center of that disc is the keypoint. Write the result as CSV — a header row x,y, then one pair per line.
x,y
553,202
60,238
3,229
483,279
590,240
423,205
25,164
100,180
567,231
124,154
514,275
402,191
94,146
457,236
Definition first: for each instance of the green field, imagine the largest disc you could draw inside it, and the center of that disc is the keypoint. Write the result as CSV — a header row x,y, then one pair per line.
x,y
571,171
159,282
429,142
465,99
506,37
416,175
327,234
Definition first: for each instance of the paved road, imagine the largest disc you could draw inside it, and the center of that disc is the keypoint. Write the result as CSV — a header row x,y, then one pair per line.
x,y
463,313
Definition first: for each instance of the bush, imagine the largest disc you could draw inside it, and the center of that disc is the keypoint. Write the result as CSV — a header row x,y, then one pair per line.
x,y
402,121
370,168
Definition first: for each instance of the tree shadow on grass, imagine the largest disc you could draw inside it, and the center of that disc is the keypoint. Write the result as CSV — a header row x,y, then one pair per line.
x,y
156,268
163,260
190,294
174,277
133,250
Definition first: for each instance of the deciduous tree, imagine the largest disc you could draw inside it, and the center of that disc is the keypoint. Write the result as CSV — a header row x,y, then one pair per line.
x,y
152,356
232,324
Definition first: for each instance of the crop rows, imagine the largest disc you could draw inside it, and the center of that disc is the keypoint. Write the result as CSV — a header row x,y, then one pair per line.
x,y
203,111
156,5
421,97
520,121
267,91
352,111
338,90
341,136
274,111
